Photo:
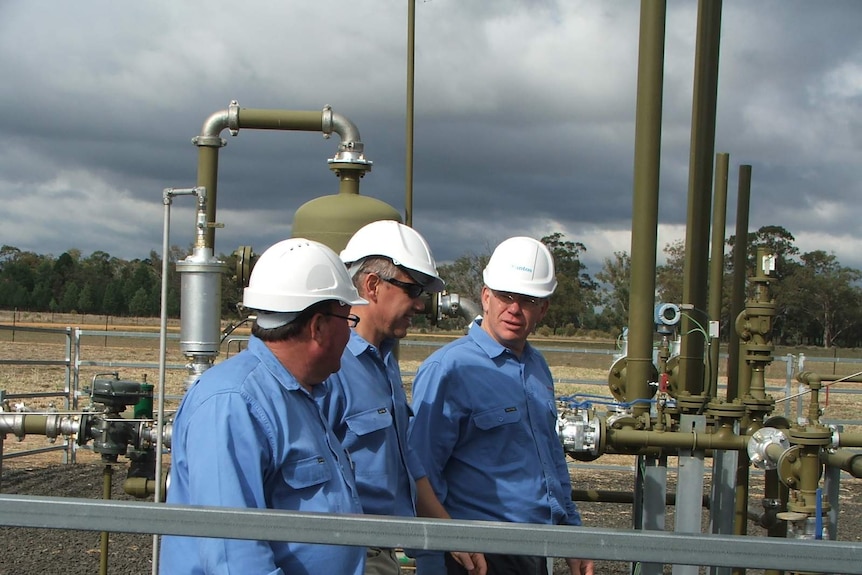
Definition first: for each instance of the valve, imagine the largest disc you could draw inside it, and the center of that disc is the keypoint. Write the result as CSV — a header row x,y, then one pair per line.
x,y
579,431
766,446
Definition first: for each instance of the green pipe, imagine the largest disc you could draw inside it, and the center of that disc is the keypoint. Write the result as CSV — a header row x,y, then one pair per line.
x,y
676,440
737,297
807,377
645,202
716,266
603,496
738,376
299,120
107,478
207,179
235,118
700,175
36,424
846,460
850,439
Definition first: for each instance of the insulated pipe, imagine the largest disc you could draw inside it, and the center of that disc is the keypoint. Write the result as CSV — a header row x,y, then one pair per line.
x,y
716,267
700,175
639,366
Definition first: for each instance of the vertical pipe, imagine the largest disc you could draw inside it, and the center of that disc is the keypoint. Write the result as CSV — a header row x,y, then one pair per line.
x,y
163,344
738,376
645,200
208,178
107,478
716,266
411,50
740,257
700,181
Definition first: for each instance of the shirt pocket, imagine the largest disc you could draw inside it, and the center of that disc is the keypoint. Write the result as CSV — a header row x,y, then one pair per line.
x,y
369,421
306,472
497,416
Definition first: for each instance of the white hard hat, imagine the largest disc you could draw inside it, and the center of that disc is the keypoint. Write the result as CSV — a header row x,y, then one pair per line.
x,y
521,265
401,244
294,274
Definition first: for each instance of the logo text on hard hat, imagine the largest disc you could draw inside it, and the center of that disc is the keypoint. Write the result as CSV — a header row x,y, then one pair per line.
x,y
523,269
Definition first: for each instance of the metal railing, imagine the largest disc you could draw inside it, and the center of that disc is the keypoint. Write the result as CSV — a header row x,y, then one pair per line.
x,y
638,546
65,394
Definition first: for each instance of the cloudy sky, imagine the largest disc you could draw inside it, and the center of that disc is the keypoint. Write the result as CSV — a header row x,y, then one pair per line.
x,y
524,121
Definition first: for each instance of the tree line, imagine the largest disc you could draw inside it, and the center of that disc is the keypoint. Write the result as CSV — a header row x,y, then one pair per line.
x,y
817,299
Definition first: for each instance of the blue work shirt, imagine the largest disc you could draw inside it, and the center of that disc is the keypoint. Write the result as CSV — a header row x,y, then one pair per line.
x,y
485,429
248,435
367,408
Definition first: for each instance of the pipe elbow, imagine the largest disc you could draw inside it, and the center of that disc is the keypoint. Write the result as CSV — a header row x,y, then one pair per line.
x,y
340,125
217,122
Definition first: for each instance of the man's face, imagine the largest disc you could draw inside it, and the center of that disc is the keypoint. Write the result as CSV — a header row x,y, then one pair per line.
x,y
392,312
509,318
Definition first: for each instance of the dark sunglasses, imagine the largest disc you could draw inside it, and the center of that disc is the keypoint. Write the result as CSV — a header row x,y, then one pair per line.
x,y
412,290
352,319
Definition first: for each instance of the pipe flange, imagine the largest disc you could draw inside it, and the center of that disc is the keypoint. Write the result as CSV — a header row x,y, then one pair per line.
x,y
759,444
811,436
233,117
326,121
209,141
726,410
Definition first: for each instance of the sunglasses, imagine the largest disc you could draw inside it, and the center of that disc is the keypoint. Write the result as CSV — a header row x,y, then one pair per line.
x,y
412,290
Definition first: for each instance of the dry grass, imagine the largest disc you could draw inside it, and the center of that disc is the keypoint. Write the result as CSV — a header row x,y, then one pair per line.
x,y
113,352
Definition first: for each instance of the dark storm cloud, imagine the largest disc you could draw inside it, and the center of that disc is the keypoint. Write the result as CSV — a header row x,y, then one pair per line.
x,y
524,117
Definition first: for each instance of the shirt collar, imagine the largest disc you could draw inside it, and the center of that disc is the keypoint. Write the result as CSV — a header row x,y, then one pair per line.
x,y
275,367
490,345
357,345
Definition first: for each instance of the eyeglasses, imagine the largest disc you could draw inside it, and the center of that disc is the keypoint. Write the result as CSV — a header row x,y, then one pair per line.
x,y
352,319
412,290
509,298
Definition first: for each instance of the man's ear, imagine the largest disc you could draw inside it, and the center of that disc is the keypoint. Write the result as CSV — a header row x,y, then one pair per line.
x,y
371,283
486,299
317,328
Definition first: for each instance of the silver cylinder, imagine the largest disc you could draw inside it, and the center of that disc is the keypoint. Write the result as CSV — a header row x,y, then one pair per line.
x,y
200,303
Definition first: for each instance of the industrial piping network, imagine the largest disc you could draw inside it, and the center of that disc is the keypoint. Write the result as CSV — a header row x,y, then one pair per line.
x,y
664,404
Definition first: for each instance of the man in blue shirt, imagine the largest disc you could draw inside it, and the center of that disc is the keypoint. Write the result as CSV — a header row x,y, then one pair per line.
x,y
249,432
485,412
392,267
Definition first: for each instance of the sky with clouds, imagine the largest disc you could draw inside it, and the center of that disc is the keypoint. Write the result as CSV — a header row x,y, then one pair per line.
x,y
524,118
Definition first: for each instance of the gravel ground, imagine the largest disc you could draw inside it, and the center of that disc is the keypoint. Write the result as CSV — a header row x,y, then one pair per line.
x,y
30,551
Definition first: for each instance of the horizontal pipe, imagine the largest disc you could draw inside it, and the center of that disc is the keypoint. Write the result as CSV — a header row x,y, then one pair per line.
x,y
261,119
604,496
809,377
676,439
847,460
